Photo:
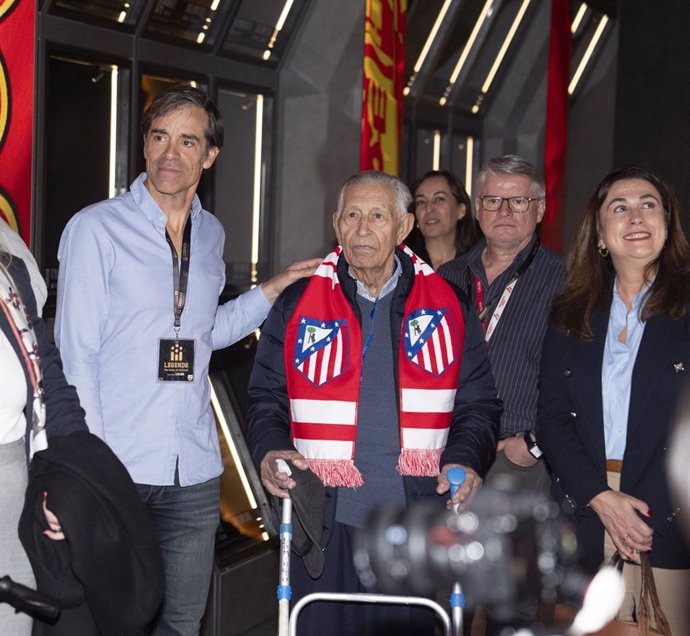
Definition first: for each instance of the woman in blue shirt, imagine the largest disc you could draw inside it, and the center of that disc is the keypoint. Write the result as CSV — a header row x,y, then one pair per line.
x,y
613,365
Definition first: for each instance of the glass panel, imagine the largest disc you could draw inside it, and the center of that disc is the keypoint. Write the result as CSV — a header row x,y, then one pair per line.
x,y
235,181
120,11
244,508
236,507
461,161
424,158
259,29
78,124
195,21
463,156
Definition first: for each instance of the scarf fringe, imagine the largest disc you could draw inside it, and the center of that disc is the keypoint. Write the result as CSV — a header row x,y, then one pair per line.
x,y
337,473
416,462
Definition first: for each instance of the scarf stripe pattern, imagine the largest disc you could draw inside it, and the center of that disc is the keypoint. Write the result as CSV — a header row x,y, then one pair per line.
x,y
323,362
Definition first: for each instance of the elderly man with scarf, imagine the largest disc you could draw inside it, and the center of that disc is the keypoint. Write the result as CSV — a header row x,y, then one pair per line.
x,y
372,373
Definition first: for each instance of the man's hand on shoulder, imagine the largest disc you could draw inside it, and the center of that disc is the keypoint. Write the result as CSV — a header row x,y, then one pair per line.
x,y
274,286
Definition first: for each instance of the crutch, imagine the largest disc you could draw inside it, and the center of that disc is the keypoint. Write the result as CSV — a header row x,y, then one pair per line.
x,y
284,589
456,476
287,620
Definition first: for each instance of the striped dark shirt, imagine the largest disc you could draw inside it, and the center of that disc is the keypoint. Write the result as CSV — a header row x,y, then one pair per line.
x,y
515,346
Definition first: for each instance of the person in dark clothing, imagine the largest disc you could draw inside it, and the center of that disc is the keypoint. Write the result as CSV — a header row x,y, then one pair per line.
x,y
395,390
512,278
36,404
613,367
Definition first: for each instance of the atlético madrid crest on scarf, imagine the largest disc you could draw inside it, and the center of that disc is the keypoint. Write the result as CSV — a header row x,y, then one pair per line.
x,y
321,349
428,340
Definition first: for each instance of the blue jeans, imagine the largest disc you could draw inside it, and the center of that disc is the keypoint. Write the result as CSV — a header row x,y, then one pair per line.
x,y
186,519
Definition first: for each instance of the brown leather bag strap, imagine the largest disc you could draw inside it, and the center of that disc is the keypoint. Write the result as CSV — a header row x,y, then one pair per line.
x,y
648,596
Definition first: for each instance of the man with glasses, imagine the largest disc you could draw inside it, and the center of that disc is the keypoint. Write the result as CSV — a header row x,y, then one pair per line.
x,y
512,279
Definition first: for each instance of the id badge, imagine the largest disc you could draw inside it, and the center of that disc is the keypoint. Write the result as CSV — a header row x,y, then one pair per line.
x,y
176,360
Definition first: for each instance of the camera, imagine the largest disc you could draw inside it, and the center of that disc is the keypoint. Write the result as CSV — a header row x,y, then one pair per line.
x,y
508,549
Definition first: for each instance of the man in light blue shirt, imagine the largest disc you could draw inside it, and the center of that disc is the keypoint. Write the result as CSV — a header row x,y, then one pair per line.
x,y
137,320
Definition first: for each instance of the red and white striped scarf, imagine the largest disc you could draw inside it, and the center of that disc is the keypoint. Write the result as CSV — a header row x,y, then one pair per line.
x,y
323,362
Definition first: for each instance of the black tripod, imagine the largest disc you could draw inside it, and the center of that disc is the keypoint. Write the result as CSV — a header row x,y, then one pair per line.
x,y
29,601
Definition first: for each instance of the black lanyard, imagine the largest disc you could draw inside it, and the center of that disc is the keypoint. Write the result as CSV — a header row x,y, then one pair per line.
x,y
181,272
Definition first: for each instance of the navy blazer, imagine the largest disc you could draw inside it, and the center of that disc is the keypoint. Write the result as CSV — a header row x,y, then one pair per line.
x,y
570,428
64,415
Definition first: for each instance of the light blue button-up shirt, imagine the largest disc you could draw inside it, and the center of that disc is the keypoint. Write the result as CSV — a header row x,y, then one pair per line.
x,y
617,369
115,303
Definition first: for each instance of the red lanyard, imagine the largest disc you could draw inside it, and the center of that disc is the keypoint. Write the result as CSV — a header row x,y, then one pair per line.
x,y
479,300
483,309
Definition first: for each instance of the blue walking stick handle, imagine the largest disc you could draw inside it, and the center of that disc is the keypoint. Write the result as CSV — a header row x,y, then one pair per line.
x,y
455,476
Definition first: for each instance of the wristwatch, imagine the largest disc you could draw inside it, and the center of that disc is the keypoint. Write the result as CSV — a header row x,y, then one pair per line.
x,y
532,446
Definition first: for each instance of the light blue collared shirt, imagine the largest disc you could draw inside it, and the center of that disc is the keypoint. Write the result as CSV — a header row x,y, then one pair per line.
x,y
363,291
388,286
617,369
115,303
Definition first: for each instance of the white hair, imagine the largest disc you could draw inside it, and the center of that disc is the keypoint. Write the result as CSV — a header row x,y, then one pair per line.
x,y
403,198
511,165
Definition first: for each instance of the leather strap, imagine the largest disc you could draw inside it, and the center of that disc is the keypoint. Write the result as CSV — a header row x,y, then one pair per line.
x,y
648,595
649,600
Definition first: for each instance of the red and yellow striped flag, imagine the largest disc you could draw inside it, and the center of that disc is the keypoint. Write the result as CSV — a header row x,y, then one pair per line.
x,y
16,111
382,92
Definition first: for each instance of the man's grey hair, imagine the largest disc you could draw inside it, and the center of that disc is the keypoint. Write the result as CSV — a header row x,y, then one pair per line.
x,y
403,198
510,165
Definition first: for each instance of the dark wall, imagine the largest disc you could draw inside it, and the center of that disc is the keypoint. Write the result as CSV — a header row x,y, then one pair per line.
x,y
653,91
591,124
634,106
77,115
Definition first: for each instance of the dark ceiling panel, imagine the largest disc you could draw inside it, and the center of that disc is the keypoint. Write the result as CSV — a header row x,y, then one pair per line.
x,y
194,21
252,31
465,96
117,13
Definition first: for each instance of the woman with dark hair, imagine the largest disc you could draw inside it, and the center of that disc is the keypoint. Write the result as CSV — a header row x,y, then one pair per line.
x,y
613,365
444,225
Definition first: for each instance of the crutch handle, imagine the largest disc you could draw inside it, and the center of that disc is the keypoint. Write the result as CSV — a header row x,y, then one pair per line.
x,y
455,476
283,466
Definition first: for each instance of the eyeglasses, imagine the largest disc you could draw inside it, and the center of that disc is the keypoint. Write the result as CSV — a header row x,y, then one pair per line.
x,y
519,205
